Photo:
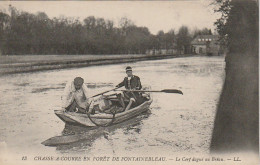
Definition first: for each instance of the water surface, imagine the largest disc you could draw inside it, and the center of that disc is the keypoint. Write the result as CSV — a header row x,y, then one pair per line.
x,y
174,124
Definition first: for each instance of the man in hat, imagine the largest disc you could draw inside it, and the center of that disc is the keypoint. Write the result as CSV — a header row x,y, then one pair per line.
x,y
75,96
131,82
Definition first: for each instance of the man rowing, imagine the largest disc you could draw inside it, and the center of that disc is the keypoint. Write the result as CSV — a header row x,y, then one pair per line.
x,y
75,96
131,82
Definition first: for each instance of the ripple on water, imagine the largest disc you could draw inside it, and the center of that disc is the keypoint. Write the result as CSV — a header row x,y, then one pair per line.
x,y
175,123
40,90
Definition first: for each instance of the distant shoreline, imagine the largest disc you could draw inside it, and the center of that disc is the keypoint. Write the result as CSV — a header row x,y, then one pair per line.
x,y
23,64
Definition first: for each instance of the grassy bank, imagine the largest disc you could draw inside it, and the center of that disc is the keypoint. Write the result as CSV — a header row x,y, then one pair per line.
x,y
31,63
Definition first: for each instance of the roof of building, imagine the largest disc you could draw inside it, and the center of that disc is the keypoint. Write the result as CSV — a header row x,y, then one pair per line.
x,y
203,39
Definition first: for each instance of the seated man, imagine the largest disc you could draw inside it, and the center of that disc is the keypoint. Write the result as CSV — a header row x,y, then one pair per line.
x,y
131,82
75,96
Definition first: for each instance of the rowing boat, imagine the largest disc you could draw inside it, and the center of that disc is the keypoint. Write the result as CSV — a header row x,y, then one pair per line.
x,y
102,119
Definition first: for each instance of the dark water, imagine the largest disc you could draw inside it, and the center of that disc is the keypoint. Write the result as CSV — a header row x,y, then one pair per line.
x,y
174,124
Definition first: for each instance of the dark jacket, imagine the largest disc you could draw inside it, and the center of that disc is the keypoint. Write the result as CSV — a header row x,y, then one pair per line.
x,y
135,83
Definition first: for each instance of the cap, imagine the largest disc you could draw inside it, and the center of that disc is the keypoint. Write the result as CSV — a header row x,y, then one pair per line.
x,y
128,68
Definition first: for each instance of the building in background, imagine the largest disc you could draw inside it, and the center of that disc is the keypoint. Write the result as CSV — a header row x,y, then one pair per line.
x,y
206,45
170,51
163,50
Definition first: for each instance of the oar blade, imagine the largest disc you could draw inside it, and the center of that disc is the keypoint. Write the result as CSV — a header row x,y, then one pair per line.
x,y
172,91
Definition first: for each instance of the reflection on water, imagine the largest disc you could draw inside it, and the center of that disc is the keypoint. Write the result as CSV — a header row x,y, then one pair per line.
x,y
176,123
61,86
80,139
99,85
39,90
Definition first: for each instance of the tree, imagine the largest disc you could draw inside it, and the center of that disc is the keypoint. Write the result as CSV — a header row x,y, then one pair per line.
x,y
223,7
236,126
161,39
26,33
183,40
170,39
4,20
204,31
124,22
4,23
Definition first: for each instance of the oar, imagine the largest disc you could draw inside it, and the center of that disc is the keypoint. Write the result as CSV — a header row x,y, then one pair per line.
x,y
164,90
105,92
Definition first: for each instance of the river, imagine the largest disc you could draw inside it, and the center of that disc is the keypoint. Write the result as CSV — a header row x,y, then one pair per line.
x,y
175,123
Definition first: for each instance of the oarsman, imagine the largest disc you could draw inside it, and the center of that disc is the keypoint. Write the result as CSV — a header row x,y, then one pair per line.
x,y
131,82
75,96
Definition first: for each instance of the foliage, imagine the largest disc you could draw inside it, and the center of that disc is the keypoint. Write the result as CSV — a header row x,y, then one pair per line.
x,y
183,40
204,31
223,7
25,33
238,24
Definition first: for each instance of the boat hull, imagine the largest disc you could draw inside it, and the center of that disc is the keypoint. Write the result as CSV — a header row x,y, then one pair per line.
x,y
101,119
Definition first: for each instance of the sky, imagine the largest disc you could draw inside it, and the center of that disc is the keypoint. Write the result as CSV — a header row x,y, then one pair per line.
x,y
156,15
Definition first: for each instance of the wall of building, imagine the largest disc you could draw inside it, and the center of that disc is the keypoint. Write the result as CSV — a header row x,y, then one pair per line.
x,y
161,51
199,49
212,49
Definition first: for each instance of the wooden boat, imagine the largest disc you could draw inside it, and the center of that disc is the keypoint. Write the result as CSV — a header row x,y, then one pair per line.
x,y
102,119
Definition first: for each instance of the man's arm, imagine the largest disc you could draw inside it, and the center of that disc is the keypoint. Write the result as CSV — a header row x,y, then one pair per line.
x,y
86,93
121,84
66,97
139,85
85,90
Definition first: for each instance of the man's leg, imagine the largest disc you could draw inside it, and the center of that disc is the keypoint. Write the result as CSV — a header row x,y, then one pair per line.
x,y
132,100
140,100
72,107
121,100
80,110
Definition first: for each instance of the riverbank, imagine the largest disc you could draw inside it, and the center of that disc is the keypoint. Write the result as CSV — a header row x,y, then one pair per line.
x,y
32,63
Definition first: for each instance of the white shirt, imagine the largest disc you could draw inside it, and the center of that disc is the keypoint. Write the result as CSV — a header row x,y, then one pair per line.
x,y
71,94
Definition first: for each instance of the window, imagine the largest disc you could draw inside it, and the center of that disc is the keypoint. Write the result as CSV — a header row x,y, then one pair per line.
x,y
203,39
199,39
207,39
210,39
